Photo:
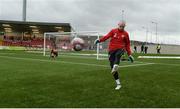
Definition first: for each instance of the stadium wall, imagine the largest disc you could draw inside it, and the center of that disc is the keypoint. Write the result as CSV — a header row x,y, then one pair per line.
x,y
165,49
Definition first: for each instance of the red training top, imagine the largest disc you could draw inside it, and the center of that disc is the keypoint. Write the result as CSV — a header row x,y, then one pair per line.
x,y
119,40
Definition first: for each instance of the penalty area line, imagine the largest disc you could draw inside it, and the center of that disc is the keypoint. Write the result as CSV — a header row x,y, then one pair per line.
x,y
134,65
74,63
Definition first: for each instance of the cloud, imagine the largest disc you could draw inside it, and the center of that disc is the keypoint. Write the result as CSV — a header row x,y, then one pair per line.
x,y
102,15
10,9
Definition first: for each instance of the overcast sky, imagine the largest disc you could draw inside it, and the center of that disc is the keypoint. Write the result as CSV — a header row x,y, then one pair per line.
x,y
103,15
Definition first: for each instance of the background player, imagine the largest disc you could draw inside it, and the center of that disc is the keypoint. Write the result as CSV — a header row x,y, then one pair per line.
x,y
54,53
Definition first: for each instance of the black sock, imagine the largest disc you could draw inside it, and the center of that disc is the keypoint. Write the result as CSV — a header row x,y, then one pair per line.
x,y
116,76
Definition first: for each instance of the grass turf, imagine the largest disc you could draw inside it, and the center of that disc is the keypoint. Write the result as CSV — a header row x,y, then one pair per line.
x,y
31,80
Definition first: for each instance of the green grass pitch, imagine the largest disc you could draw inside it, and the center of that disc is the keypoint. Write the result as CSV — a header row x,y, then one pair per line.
x,y
31,80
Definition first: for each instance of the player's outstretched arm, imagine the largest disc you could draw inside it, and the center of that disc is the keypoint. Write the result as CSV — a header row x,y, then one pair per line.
x,y
96,41
128,49
104,38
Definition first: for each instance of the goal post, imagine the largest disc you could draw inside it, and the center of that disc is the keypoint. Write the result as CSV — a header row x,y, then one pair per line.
x,y
74,43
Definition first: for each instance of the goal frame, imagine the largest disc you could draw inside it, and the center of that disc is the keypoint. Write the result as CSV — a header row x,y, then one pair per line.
x,y
66,33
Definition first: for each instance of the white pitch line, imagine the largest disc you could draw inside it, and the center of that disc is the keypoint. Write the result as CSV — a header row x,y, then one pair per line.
x,y
76,63
98,59
134,65
160,57
54,61
6,53
168,64
77,57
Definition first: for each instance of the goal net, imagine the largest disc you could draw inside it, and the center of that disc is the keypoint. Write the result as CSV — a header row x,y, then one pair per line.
x,y
76,44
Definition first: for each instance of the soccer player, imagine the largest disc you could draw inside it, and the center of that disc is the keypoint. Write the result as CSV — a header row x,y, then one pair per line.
x,y
54,53
119,43
135,49
158,48
142,48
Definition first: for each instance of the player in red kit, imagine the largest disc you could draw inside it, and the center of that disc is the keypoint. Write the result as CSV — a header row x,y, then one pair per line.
x,y
118,45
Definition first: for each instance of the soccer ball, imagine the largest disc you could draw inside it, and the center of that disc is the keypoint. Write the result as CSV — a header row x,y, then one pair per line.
x,y
77,47
77,44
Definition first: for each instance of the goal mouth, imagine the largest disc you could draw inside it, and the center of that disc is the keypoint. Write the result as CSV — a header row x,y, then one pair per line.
x,y
75,43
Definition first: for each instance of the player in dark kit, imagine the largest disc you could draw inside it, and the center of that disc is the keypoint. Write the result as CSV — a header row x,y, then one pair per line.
x,y
54,53
119,43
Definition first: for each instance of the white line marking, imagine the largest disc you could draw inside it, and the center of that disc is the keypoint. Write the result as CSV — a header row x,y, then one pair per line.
x,y
160,57
134,65
168,64
7,53
89,57
76,63
98,59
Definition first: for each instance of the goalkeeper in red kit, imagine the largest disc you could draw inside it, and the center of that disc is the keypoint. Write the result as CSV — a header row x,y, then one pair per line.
x,y
54,53
118,45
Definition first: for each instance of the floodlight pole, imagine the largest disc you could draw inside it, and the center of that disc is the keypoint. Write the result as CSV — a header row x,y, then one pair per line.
x,y
146,33
151,37
122,15
24,10
156,30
